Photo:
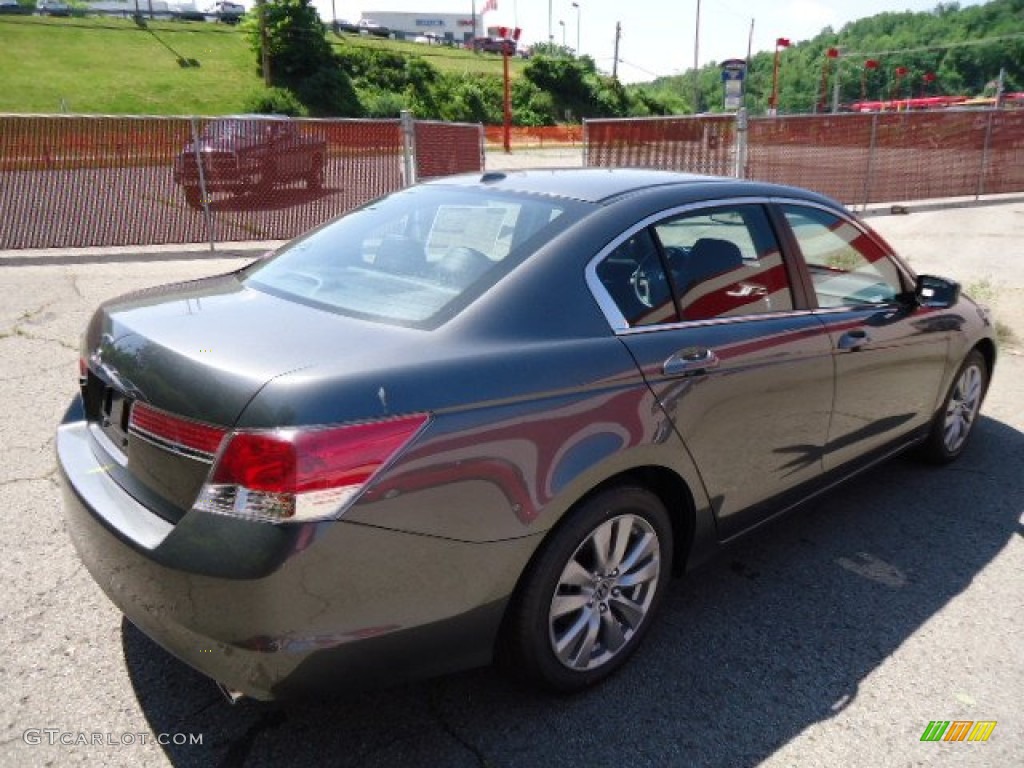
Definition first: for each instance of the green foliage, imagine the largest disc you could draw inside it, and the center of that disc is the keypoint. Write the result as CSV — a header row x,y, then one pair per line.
x,y
470,98
300,58
274,101
963,47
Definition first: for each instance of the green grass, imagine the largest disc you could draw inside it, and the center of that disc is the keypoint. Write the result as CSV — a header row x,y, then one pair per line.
x,y
110,66
442,57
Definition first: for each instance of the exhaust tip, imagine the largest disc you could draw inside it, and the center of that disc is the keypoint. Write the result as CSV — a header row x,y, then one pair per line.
x,y
230,694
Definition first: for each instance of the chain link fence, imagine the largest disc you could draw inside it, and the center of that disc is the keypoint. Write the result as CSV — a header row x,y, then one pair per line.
x,y
75,181
855,158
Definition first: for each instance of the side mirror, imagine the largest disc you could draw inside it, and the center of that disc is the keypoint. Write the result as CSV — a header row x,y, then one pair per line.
x,y
936,292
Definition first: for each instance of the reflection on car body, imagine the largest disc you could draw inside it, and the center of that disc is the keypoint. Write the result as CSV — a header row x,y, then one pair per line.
x,y
489,416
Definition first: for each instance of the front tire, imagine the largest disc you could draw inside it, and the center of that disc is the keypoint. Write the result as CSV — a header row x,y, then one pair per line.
x,y
588,599
954,423
315,180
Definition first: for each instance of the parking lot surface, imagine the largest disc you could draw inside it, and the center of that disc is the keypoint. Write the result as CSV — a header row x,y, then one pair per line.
x,y
831,638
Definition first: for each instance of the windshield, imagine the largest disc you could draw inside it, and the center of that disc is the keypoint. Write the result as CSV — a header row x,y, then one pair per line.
x,y
417,257
241,128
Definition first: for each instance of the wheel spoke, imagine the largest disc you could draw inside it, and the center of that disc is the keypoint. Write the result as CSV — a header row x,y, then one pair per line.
x,y
621,540
611,632
600,541
581,659
629,611
563,604
645,546
575,575
647,572
568,640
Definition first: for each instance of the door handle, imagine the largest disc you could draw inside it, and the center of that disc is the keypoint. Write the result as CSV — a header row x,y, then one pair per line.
x,y
854,340
691,361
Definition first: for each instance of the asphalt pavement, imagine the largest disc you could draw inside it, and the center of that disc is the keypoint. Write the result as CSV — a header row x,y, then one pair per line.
x,y
830,638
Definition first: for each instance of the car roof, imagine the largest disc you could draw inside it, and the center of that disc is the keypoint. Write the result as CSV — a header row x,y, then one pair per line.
x,y
603,185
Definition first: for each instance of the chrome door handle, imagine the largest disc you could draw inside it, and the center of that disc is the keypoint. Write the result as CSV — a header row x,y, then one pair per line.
x,y
690,362
854,340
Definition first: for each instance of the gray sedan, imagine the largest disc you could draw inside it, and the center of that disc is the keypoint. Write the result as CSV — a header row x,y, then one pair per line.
x,y
489,417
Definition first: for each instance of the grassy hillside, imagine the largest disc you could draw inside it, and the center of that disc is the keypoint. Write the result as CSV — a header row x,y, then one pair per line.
x,y
110,66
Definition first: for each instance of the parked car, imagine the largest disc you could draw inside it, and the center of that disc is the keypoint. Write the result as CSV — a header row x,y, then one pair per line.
x,y
490,416
226,12
341,25
249,153
53,8
371,27
494,45
13,7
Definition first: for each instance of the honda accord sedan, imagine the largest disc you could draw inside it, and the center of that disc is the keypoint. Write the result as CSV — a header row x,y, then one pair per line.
x,y
489,417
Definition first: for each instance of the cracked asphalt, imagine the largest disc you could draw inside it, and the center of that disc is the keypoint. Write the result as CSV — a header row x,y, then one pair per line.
x,y
830,638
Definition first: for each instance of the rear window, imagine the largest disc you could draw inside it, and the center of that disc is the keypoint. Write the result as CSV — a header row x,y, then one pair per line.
x,y
417,257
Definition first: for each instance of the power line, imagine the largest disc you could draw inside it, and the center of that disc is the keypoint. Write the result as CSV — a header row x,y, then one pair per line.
x,y
937,47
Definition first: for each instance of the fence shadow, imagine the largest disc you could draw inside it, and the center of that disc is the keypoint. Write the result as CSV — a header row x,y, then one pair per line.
x,y
776,635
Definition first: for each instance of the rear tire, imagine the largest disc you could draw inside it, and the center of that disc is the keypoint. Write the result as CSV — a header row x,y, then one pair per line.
x,y
193,198
954,423
589,597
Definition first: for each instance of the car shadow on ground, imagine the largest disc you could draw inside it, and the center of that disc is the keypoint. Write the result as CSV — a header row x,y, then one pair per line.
x,y
775,635
271,199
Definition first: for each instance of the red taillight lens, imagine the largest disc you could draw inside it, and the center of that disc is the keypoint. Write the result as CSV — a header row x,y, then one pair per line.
x,y
302,474
174,432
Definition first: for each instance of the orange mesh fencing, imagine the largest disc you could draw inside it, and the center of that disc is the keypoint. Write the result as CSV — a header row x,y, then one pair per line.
x,y
540,136
855,158
443,149
692,144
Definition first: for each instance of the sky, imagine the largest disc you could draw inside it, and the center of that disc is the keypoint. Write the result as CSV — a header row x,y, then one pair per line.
x,y
657,36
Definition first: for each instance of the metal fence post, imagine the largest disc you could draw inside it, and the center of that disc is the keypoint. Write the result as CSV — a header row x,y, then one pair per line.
x,y
483,148
204,194
742,126
869,171
408,148
586,143
983,171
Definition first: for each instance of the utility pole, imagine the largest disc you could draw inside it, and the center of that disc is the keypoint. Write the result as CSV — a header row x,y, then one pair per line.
x,y
696,62
615,58
264,43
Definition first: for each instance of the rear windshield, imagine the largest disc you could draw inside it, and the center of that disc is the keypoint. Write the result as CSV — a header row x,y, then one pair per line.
x,y
415,258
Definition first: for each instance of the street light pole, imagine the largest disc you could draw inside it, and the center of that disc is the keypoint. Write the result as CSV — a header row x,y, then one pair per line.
x,y
561,23
773,103
551,34
577,7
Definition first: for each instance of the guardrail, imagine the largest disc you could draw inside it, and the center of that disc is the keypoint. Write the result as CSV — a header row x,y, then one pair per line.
x,y
75,181
855,158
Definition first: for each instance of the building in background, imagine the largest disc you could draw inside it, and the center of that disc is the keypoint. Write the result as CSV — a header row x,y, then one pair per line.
x,y
451,27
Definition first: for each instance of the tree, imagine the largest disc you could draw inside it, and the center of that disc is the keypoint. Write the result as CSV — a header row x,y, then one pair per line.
x,y
301,59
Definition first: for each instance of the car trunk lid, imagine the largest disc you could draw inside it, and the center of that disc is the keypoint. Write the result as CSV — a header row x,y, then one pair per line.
x,y
194,355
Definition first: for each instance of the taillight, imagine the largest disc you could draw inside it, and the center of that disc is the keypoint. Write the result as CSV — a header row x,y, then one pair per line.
x,y
301,474
175,433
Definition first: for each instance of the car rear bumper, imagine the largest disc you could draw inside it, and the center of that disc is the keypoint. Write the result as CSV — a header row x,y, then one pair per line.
x,y
326,608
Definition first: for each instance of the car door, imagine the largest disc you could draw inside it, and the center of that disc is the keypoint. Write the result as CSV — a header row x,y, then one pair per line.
x,y
889,358
703,300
